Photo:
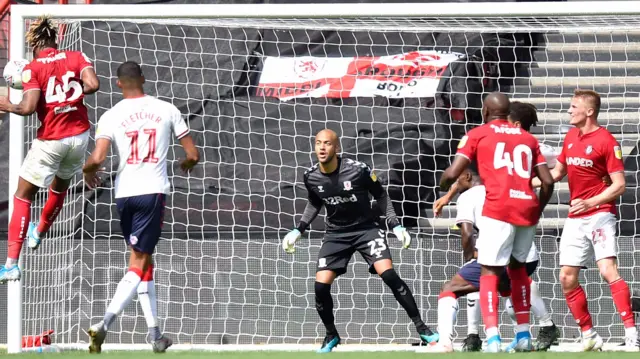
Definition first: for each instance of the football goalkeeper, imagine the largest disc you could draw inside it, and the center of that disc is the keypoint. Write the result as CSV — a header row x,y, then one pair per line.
x,y
343,187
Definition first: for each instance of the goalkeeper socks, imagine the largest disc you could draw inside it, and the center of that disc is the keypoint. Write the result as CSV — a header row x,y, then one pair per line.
x,y
404,296
577,303
622,299
520,297
18,227
447,310
124,294
51,210
149,303
489,303
324,306
473,313
538,307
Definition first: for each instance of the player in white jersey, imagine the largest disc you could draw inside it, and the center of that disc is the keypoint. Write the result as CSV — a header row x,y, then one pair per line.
x,y
141,127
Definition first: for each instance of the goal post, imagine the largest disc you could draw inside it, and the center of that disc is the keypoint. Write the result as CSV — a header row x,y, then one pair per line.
x,y
223,281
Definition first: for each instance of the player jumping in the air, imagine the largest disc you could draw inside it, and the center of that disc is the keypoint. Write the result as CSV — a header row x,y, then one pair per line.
x,y
141,127
54,84
343,186
590,152
466,282
506,156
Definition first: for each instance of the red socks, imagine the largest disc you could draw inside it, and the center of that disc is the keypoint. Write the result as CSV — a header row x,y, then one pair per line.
x,y
520,294
489,300
622,299
51,210
18,227
577,302
147,276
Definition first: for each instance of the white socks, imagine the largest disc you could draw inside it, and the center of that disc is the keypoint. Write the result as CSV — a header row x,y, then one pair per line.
x,y
124,294
149,304
473,313
447,310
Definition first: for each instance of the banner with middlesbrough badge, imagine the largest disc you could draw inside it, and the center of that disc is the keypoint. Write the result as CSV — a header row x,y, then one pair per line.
x,y
412,74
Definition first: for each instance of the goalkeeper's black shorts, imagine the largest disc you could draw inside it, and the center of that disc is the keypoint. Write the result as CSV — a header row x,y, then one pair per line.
x,y
336,251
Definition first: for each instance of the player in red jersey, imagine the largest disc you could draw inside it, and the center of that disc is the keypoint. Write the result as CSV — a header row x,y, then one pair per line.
x,y
506,156
590,152
54,83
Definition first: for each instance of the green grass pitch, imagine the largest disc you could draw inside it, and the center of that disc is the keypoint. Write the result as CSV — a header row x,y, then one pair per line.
x,y
312,355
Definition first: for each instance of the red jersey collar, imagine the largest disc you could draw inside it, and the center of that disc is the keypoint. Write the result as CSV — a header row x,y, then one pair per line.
x,y
47,52
580,135
501,121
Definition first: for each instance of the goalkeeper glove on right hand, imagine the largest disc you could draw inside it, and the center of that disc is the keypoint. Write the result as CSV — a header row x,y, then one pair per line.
x,y
290,240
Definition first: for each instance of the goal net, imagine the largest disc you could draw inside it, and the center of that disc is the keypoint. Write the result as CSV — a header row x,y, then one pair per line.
x,y
400,90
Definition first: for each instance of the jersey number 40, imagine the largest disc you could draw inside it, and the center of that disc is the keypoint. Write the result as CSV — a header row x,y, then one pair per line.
x,y
503,159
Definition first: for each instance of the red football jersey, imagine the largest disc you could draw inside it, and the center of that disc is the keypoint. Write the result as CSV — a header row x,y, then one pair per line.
x,y
506,156
588,158
61,109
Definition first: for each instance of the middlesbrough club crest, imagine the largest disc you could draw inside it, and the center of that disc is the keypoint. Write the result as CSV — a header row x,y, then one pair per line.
x,y
347,185
588,150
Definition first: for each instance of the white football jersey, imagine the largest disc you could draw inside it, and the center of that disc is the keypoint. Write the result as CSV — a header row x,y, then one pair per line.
x,y
469,209
141,129
550,154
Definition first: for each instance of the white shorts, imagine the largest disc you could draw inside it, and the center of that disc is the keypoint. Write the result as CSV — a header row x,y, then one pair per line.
x,y
582,238
49,158
498,241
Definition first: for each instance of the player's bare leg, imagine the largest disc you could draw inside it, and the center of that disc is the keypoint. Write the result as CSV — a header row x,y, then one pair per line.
x,y
577,303
447,311
621,296
18,225
53,206
489,297
324,306
402,292
126,290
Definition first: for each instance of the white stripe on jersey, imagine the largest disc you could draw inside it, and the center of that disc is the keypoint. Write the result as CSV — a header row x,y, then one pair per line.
x,y
141,129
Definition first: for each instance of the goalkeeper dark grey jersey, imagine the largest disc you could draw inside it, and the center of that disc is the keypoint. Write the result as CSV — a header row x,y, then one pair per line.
x,y
345,195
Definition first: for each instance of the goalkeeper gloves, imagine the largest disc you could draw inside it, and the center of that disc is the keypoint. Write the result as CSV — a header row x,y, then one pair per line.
x,y
290,240
403,235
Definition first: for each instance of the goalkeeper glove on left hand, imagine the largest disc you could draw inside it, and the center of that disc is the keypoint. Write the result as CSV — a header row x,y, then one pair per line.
x,y
290,240
403,236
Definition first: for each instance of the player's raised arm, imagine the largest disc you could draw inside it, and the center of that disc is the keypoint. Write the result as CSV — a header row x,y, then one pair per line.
x,y
465,155
384,203
445,200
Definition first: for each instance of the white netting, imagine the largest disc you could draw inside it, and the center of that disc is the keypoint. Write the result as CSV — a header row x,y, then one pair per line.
x,y
221,276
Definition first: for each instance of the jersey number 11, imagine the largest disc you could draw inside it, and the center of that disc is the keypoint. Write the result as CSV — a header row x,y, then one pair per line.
x,y
134,158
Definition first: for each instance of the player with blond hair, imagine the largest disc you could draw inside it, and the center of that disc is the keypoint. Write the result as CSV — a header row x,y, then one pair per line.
x,y
590,153
54,85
